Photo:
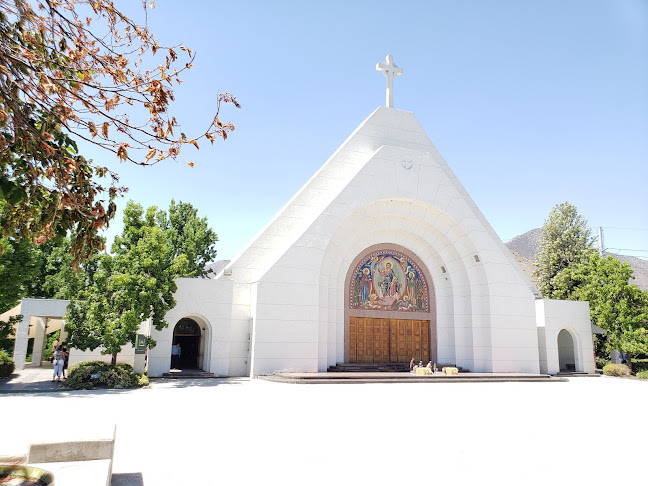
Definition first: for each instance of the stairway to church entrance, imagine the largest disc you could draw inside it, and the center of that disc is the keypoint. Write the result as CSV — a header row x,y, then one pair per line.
x,y
374,340
186,341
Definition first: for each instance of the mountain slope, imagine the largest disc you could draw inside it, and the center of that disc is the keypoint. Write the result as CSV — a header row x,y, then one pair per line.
x,y
524,248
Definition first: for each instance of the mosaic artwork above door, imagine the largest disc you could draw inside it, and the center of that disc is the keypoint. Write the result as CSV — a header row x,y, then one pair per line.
x,y
388,280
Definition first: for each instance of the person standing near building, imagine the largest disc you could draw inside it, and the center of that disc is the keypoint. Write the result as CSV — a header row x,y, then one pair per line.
x,y
66,359
59,362
175,355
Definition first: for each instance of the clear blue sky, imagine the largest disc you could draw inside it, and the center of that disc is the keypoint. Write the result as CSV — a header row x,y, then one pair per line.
x,y
531,103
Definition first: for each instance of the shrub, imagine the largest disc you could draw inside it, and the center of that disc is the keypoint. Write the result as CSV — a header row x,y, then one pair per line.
x,y
601,362
7,365
616,370
639,365
97,374
643,375
142,380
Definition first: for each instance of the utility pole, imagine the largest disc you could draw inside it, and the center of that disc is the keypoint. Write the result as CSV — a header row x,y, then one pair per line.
x,y
600,238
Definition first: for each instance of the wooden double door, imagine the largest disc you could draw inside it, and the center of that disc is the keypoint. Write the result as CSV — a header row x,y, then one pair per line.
x,y
373,340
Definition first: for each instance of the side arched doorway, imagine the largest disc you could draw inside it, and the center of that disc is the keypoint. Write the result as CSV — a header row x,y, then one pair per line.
x,y
390,312
185,350
566,351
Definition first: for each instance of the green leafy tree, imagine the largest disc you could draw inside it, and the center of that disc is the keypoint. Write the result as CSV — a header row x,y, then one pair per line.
x,y
129,287
6,330
616,305
61,277
22,274
18,267
565,240
189,235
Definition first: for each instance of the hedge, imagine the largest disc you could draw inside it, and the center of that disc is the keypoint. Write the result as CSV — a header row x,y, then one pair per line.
x,y
97,374
616,370
7,364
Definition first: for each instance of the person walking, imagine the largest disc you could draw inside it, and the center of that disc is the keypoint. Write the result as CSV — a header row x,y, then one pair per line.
x,y
59,362
66,359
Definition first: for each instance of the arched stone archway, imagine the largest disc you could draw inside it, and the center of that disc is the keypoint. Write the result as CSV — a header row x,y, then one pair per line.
x,y
187,344
389,307
567,351
461,284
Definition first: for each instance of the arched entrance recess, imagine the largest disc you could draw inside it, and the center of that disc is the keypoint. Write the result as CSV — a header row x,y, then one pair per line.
x,y
390,308
567,352
186,346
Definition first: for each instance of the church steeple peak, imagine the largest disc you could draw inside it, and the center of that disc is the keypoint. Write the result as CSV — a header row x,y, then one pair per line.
x,y
390,70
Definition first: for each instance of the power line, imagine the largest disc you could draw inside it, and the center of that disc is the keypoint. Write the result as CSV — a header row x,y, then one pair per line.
x,y
625,229
626,249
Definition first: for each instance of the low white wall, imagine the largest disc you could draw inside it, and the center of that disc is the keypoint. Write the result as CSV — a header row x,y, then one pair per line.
x,y
552,316
126,356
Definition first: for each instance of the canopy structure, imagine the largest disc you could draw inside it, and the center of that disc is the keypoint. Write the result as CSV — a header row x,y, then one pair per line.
x,y
39,318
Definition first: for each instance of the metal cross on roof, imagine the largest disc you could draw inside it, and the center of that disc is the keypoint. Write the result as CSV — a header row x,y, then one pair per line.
x,y
390,70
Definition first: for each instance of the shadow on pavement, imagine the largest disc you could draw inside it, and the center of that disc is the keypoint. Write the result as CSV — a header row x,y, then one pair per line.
x,y
127,479
39,380
198,382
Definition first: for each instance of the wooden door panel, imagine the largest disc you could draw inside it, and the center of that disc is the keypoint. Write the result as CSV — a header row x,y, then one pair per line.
x,y
377,341
384,324
353,329
416,341
360,340
425,340
393,340
388,340
369,341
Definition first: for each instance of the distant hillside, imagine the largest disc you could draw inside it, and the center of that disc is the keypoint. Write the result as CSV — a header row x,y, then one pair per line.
x,y
524,248
216,267
526,245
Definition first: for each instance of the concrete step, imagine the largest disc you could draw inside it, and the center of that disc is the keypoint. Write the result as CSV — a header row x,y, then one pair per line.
x,y
577,374
377,367
368,377
93,443
188,374
79,473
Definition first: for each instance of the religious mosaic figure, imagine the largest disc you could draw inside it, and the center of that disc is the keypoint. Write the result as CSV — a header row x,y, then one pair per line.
x,y
388,280
411,288
365,284
420,295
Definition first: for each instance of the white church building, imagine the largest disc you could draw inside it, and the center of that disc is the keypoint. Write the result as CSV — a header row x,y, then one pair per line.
x,y
381,257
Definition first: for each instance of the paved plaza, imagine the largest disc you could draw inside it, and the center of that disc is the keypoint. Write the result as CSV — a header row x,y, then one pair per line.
x,y
240,431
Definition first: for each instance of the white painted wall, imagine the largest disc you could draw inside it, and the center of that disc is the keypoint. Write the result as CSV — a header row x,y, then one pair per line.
x,y
126,356
222,310
552,317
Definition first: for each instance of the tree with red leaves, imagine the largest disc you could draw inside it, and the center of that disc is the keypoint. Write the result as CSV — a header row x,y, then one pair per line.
x,y
73,70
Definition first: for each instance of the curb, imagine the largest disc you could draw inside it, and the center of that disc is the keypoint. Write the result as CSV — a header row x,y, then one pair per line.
x,y
317,381
53,390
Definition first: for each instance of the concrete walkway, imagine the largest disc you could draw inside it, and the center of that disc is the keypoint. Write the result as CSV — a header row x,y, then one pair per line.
x,y
241,431
31,380
38,380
